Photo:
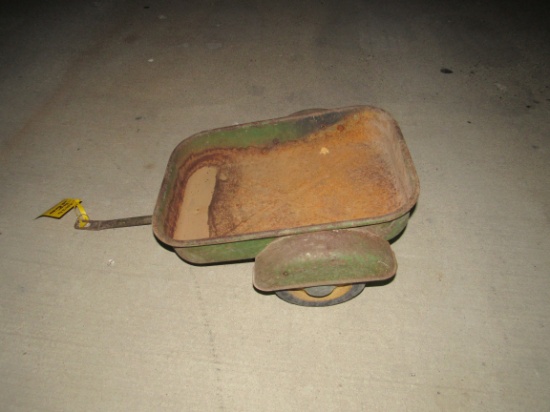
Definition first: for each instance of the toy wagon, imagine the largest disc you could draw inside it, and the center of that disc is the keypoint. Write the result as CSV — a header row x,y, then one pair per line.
x,y
313,197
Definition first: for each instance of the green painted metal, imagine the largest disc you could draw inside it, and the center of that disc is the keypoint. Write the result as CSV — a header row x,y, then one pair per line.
x,y
337,257
387,230
224,252
249,249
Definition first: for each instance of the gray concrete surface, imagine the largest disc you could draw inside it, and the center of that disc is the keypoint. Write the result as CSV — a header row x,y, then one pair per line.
x,y
95,95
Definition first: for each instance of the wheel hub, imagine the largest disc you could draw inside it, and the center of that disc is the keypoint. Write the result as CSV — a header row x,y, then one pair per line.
x,y
320,291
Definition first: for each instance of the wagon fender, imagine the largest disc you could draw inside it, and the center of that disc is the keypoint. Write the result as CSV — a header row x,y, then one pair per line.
x,y
337,257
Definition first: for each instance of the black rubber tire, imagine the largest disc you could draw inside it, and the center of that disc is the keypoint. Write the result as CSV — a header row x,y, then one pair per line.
x,y
339,295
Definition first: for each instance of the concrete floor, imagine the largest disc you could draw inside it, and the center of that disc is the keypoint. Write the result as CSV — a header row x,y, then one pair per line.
x,y
95,95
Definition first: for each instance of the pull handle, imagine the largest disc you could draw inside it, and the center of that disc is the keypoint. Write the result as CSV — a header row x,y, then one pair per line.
x,y
95,225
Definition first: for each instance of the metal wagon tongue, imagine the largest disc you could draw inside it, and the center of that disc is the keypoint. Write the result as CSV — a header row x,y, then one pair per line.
x,y
113,223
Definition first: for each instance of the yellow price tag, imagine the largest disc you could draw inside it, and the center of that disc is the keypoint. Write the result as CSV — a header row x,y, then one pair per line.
x,y
61,209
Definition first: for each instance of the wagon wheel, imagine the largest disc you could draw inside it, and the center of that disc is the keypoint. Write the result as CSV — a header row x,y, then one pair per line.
x,y
321,295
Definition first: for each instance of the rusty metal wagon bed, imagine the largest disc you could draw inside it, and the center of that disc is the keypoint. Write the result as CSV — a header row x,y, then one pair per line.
x,y
313,197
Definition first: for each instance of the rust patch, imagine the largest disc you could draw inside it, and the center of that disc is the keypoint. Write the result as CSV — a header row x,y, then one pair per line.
x,y
193,218
339,173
